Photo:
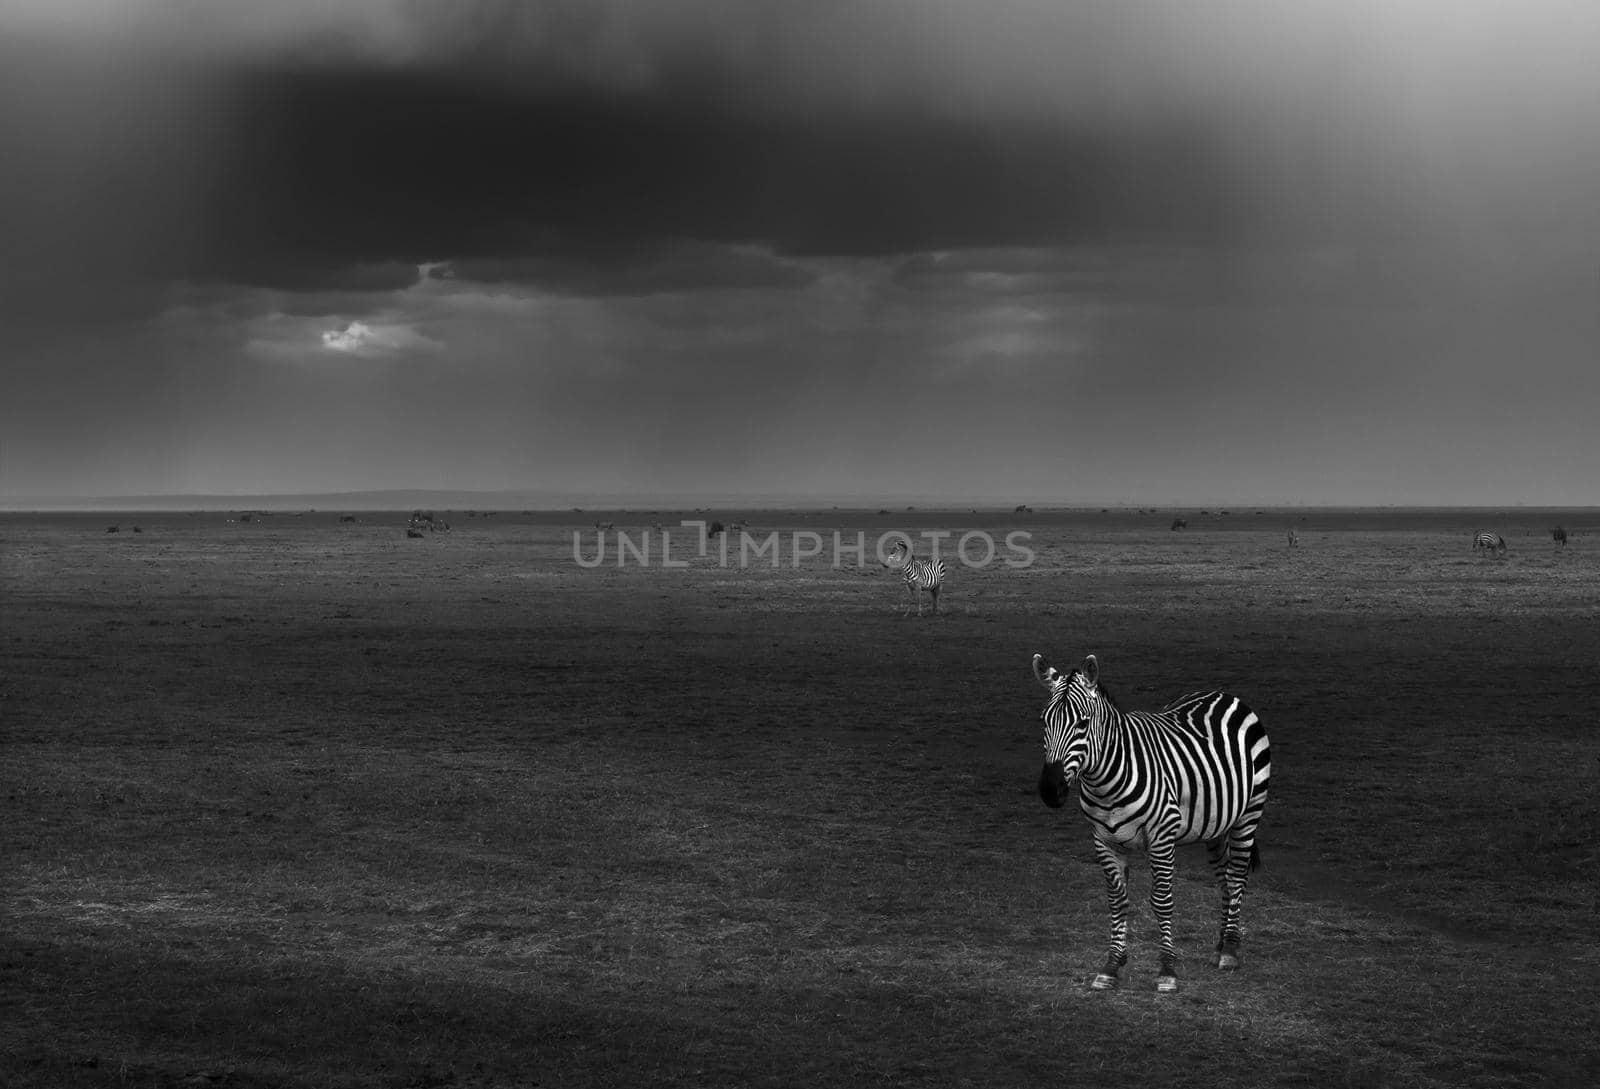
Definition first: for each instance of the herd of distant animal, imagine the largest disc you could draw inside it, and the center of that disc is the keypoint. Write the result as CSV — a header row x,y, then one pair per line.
x,y
919,576
927,576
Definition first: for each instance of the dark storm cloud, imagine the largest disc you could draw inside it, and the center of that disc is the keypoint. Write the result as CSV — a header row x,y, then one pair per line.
x,y
288,275
287,143
373,166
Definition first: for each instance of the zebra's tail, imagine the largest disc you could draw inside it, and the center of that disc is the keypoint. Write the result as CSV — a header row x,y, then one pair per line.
x,y
1255,857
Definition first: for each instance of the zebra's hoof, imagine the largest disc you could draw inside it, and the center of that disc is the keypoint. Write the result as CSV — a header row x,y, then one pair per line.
x,y
1103,982
1228,962
1166,984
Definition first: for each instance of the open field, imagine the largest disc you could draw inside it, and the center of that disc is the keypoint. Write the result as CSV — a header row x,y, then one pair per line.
x,y
298,802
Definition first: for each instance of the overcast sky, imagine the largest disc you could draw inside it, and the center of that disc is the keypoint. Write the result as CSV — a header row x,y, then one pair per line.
x,y
1243,250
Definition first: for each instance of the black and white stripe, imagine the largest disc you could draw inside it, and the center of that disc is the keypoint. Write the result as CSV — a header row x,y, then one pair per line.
x,y
1194,772
1559,536
1492,541
918,575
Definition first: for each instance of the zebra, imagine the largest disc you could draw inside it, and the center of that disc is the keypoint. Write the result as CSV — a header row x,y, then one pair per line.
x,y
1559,535
1294,538
1194,772
919,575
1179,523
1491,541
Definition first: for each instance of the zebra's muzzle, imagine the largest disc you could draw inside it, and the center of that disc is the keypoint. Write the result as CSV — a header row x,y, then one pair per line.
x,y
1053,785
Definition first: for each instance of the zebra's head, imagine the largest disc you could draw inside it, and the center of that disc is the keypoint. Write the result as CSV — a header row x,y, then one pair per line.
x,y
1074,700
898,554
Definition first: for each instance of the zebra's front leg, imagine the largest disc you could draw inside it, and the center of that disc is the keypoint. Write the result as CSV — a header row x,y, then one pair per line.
x,y
1115,865
1163,859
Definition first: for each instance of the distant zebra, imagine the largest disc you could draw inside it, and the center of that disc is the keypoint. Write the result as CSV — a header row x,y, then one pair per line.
x,y
1559,535
1194,772
1180,523
1492,541
919,575
1294,538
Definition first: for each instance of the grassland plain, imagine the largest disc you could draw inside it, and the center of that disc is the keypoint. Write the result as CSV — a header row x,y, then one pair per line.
x,y
299,802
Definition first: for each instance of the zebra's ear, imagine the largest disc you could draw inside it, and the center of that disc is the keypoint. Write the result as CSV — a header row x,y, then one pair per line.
x,y
1091,670
1046,672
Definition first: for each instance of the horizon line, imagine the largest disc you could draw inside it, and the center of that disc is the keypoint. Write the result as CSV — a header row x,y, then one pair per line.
x,y
553,500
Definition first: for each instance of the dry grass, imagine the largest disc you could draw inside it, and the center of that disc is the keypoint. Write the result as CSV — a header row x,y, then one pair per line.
x,y
307,804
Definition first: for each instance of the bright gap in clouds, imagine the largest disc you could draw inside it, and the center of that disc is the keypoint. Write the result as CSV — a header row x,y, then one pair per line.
x,y
349,339
368,341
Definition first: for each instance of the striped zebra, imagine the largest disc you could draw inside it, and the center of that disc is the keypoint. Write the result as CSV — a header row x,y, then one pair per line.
x,y
1194,772
1491,541
1294,538
1559,536
919,575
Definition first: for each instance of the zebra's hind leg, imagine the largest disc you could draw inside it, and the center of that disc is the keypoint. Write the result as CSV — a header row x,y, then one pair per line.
x,y
934,593
1115,865
1234,858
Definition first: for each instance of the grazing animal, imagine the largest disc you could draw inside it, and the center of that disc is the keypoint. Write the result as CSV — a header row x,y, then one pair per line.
x,y
413,531
1180,523
919,575
602,526
1294,538
1491,541
1559,535
1194,772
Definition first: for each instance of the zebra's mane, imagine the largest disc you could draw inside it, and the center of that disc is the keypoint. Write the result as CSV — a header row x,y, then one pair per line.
x,y
1105,693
